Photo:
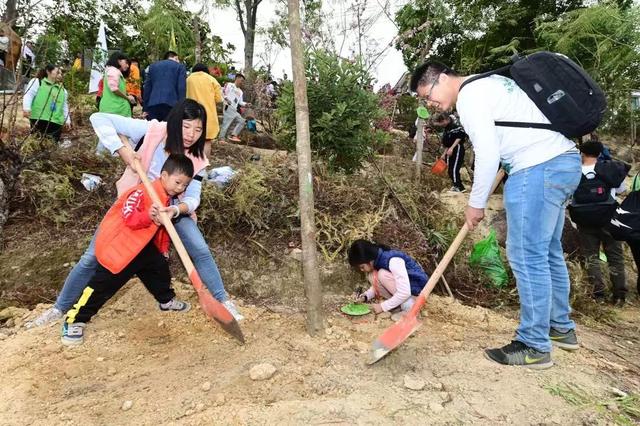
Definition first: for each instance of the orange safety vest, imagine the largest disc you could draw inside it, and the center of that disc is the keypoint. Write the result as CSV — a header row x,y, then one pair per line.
x,y
117,244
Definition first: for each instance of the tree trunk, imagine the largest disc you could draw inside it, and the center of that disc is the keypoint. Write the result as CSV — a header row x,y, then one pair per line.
x,y
10,12
198,49
250,37
4,206
313,288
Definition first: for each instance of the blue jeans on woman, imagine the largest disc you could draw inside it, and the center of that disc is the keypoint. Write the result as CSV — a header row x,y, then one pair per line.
x,y
193,241
535,199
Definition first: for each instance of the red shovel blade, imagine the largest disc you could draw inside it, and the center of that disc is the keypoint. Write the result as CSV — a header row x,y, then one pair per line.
x,y
393,336
216,310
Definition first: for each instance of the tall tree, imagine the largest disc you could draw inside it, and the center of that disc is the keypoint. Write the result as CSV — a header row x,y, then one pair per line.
x,y
313,287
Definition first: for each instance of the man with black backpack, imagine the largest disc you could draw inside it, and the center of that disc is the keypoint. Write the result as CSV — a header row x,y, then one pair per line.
x,y
507,120
591,209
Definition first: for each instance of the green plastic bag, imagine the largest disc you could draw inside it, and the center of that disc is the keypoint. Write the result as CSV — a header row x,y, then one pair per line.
x,y
486,256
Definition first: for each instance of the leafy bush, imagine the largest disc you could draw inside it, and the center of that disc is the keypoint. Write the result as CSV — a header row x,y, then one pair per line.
x,y
342,111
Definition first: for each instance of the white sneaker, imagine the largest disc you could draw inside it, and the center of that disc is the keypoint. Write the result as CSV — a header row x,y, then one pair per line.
x,y
50,315
233,310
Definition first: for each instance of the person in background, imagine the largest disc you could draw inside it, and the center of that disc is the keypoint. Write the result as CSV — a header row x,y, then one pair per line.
x,y
232,94
29,58
601,181
453,139
206,90
134,83
77,62
4,46
165,85
46,103
114,93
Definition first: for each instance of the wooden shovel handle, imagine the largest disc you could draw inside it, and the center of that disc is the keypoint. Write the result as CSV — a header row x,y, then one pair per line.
x,y
453,248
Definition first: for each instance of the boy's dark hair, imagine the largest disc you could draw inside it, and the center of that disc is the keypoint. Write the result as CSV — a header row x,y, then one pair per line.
x,y
114,58
427,73
440,117
240,75
170,54
591,148
178,164
200,68
363,251
186,109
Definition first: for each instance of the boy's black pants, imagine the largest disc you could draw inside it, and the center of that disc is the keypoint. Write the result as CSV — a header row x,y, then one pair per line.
x,y
149,265
455,163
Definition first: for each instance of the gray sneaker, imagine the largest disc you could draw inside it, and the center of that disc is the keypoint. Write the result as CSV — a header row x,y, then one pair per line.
x,y
517,353
50,315
567,341
175,305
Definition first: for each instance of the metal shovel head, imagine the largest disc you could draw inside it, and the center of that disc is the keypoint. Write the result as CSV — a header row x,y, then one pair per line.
x,y
393,337
216,310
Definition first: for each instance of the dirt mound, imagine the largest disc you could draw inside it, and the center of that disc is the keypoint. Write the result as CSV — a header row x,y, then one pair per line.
x,y
140,365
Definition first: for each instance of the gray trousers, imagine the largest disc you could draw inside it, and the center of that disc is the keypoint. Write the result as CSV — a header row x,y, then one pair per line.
x,y
229,116
590,240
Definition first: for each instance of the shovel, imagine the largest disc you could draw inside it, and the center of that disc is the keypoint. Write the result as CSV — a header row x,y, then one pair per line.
x,y
393,336
211,307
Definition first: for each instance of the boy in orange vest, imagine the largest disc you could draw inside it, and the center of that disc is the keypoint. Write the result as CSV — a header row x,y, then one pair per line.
x,y
131,241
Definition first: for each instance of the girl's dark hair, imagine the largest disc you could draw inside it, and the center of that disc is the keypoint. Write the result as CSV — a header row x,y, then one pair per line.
x,y
200,67
186,109
114,58
42,73
363,251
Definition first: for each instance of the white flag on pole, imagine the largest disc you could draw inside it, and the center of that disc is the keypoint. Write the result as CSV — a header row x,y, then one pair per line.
x,y
100,53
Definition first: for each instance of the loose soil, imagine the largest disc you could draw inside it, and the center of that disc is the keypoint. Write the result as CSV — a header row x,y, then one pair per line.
x,y
164,364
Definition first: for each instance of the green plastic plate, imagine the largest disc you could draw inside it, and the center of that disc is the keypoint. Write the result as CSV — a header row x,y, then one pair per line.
x,y
356,309
422,112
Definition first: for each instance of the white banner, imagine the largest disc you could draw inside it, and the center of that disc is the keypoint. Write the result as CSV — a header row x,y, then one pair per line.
x,y
100,53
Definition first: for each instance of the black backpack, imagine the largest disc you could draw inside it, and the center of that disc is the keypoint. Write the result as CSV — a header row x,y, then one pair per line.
x,y
564,92
592,205
625,223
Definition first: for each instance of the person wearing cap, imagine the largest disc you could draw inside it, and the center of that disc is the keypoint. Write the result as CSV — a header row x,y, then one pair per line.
x,y
609,175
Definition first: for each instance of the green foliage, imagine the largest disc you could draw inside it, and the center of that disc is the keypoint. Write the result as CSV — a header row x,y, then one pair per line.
x,y
605,41
341,112
473,36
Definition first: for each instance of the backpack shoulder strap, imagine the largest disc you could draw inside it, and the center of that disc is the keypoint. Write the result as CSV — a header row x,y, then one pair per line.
x,y
477,77
518,124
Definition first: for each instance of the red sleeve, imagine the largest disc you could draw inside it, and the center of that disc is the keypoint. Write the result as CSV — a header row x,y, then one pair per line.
x,y
133,212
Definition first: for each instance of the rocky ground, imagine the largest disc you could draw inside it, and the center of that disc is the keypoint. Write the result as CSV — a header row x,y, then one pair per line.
x,y
141,366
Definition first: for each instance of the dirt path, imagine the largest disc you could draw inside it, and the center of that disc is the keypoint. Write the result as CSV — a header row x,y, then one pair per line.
x,y
181,369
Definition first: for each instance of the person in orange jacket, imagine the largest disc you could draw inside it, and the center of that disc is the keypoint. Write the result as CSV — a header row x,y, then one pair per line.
x,y
131,241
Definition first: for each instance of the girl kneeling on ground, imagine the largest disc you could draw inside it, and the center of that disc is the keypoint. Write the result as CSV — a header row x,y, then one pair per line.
x,y
394,275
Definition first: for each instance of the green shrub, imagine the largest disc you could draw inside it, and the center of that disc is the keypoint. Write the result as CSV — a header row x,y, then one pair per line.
x,y
342,110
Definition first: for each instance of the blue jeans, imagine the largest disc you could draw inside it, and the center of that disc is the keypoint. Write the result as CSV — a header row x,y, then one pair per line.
x,y
193,241
535,199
